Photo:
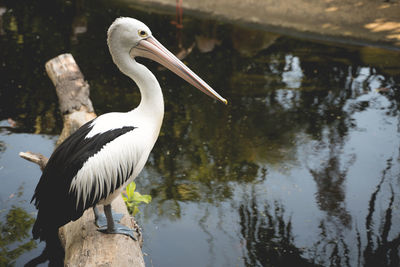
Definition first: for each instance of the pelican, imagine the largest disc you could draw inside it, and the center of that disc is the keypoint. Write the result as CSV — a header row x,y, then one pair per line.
x,y
93,165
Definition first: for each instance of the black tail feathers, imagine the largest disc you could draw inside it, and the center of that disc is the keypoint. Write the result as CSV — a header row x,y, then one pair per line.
x,y
53,252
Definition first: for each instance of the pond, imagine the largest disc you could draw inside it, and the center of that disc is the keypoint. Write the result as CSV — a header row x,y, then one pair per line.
x,y
302,168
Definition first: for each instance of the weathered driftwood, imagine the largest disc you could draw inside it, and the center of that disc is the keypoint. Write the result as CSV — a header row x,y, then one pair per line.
x,y
37,158
73,93
84,245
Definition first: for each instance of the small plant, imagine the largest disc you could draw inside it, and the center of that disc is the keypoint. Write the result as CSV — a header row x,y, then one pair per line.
x,y
133,198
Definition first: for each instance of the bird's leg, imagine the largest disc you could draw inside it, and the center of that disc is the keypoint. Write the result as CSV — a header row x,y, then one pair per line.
x,y
96,213
110,220
101,221
115,228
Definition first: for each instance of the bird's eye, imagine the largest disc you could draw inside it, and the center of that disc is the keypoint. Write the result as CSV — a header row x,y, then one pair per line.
x,y
142,33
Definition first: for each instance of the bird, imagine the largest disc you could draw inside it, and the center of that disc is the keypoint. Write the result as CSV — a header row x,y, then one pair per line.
x,y
93,165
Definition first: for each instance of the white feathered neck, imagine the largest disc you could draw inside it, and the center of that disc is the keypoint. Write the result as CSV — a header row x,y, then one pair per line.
x,y
122,37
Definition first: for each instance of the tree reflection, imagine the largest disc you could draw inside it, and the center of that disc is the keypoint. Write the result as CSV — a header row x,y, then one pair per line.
x,y
381,250
379,246
330,173
14,231
268,236
270,241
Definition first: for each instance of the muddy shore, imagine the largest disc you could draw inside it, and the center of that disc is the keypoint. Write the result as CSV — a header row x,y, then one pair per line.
x,y
366,22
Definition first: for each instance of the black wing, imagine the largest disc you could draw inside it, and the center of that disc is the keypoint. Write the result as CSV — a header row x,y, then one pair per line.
x,y
56,206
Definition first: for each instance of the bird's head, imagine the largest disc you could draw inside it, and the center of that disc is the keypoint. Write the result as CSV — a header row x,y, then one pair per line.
x,y
127,32
134,38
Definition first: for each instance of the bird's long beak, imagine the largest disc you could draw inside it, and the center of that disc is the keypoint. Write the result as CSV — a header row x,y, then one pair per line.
x,y
154,50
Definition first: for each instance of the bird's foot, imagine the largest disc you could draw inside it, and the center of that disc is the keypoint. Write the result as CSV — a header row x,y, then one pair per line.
x,y
101,220
118,229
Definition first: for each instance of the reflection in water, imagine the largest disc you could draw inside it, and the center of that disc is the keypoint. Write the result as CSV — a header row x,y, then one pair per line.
x,y
14,234
381,249
376,248
292,74
268,235
330,175
292,172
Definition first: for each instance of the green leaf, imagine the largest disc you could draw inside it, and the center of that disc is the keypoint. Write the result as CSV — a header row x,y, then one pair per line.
x,y
130,189
135,210
146,199
141,198
133,199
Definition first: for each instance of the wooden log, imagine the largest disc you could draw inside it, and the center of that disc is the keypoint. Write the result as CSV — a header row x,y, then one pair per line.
x,y
37,158
73,93
84,245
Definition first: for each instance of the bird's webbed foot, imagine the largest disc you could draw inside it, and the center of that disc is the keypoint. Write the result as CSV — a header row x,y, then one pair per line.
x,y
110,226
118,229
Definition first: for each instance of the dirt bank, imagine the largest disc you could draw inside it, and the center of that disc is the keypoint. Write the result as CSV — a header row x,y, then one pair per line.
x,y
375,22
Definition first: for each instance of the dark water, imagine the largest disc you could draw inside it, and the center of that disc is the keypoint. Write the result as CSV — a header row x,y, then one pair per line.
x,y
300,169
